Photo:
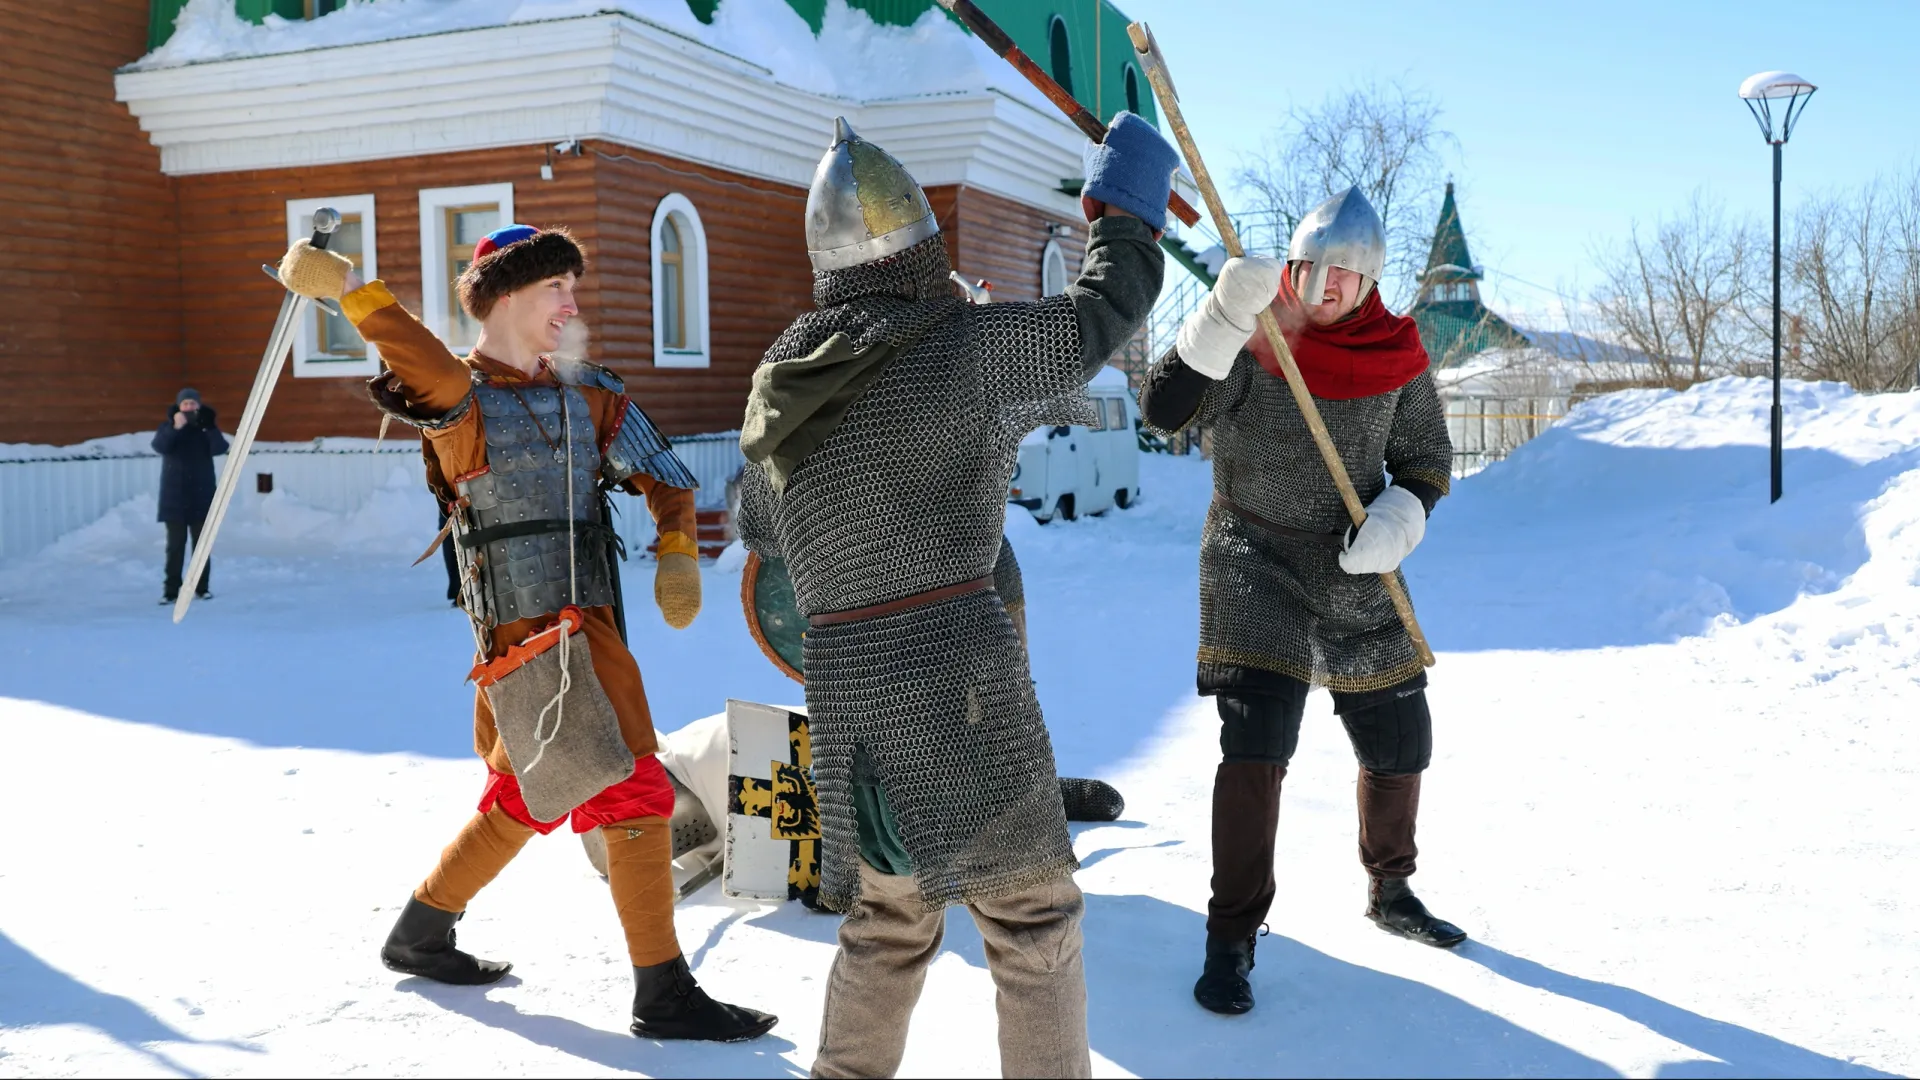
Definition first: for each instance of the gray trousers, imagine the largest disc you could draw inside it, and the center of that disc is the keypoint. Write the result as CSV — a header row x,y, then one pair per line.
x,y
1033,952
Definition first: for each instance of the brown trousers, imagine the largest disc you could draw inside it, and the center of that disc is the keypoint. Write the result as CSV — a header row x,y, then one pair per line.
x,y
1246,816
1033,951
639,874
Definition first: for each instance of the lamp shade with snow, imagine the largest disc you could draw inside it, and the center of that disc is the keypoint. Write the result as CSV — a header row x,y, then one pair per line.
x,y
1762,90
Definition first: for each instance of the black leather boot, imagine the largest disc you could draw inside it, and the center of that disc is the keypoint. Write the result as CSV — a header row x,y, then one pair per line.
x,y
1393,908
669,1004
422,944
1223,986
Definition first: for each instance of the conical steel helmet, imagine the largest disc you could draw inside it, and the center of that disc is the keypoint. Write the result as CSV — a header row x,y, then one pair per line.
x,y
864,206
1343,231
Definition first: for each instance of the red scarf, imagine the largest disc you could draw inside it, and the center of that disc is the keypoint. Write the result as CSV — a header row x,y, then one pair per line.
x,y
1371,351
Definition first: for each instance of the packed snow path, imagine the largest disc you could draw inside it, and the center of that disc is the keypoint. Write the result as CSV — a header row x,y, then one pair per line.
x,y
1672,798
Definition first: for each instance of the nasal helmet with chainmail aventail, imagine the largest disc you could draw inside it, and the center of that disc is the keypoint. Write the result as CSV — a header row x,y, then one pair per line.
x,y
1343,231
864,206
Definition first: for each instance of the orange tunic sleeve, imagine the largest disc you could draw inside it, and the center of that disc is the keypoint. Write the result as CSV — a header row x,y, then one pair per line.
x,y
673,513
434,379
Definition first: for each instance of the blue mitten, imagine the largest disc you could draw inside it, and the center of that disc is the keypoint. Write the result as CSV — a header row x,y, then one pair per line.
x,y
1133,170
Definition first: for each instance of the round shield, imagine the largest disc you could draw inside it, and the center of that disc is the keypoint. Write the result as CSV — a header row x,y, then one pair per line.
x,y
766,595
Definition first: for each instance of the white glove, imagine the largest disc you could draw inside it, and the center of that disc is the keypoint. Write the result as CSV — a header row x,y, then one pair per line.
x,y
1395,523
1217,330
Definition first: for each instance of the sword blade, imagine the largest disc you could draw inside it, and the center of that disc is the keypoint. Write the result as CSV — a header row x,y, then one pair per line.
x,y
271,361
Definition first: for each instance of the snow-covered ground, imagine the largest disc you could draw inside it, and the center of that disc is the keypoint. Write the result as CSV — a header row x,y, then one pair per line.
x,y
1672,799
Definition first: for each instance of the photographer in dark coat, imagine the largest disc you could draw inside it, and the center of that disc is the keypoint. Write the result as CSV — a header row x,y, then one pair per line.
x,y
187,443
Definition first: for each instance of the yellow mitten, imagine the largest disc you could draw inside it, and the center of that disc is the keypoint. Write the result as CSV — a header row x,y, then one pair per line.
x,y
676,588
314,272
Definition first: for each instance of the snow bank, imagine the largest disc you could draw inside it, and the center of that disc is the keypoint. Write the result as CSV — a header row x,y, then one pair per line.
x,y
851,57
132,444
395,521
140,444
1643,517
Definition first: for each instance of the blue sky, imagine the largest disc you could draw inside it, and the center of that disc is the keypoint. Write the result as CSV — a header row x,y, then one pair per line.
x,y
1574,120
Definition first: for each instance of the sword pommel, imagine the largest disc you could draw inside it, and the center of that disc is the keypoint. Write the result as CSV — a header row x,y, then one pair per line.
x,y
325,220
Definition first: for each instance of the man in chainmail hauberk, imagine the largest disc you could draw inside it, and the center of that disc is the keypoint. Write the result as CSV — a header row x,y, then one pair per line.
x,y
883,429
519,450
1290,595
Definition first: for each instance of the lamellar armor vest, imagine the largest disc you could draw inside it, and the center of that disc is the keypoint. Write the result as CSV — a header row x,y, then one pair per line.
x,y
511,535
513,550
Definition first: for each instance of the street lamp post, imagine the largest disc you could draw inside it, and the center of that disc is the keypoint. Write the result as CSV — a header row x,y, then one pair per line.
x,y
1760,92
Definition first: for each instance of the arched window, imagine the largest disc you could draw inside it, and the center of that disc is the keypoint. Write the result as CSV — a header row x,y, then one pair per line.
x,y
1060,54
1053,270
679,285
1133,90
673,288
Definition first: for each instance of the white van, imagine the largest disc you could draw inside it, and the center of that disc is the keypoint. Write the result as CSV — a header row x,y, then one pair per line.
x,y
1074,470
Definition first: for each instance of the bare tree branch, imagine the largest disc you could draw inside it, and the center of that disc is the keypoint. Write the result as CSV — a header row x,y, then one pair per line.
x,y
1386,139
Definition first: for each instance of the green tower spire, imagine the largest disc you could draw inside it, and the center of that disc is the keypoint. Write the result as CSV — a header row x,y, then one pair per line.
x,y
1453,323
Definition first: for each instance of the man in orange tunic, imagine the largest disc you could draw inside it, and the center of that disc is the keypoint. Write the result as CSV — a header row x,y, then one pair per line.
x,y
502,430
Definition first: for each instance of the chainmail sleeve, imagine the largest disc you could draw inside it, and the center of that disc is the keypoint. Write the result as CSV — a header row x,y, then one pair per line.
x,y
1174,397
1418,446
1046,351
756,524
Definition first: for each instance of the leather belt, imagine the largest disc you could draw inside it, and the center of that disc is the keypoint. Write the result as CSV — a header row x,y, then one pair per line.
x,y
905,603
474,538
1327,539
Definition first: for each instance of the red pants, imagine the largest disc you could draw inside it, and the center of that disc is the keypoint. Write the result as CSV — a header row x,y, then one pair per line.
x,y
647,793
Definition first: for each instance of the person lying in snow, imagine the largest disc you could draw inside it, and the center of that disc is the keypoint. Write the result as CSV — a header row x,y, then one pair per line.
x,y
516,447
1290,595
881,434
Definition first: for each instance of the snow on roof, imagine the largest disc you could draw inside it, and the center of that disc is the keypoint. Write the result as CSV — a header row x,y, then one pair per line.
x,y
1109,376
851,57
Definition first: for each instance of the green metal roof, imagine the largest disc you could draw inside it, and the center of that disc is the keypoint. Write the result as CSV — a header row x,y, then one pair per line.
x,y
1456,330
1450,245
1101,70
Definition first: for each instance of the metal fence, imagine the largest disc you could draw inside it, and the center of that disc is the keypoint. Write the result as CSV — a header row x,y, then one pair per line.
x,y
1486,429
44,498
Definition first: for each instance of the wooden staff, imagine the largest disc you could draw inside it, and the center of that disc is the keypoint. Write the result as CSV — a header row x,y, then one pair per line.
x,y
1155,66
996,39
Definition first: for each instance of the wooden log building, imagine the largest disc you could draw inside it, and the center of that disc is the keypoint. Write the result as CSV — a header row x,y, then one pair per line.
x,y
143,198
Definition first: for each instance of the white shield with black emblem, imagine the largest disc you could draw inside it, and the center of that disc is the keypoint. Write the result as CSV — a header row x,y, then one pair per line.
x,y
773,823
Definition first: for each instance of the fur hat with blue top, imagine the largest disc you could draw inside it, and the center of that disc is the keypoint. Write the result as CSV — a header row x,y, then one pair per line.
x,y
514,257
1133,170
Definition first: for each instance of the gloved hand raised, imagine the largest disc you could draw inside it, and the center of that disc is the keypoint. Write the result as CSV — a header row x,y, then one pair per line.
x,y
314,272
1133,170
1396,521
1216,331
676,588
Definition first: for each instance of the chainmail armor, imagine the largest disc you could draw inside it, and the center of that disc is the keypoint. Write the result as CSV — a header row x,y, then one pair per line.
x,y
1006,577
524,577
1277,603
907,495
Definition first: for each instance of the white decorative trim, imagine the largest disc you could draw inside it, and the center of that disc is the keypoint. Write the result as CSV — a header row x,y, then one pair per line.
x,y
307,361
435,311
693,248
1052,255
608,77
